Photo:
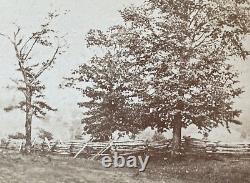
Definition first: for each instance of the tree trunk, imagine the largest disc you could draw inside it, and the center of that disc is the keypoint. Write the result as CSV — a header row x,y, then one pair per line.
x,y
28,123
176,143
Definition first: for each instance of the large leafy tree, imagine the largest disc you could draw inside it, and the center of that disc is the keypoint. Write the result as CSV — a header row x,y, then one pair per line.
x,y
32,68
184,47
179,51
105,84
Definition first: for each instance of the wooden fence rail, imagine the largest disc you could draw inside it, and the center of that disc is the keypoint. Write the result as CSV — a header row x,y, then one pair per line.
x,y
77,148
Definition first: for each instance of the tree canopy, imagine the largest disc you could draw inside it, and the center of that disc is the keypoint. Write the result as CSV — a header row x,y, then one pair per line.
x,y
169,66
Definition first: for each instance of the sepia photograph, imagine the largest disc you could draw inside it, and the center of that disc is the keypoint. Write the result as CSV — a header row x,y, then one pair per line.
x,y
125,91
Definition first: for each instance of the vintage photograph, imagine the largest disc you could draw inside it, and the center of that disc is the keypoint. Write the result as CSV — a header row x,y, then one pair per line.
x,y
125,91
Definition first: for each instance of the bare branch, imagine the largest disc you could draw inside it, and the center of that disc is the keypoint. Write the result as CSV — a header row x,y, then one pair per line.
x,y
26,43
31,48
48,64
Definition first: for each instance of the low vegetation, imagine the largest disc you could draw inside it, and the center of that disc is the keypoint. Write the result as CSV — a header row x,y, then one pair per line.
x,y
17,168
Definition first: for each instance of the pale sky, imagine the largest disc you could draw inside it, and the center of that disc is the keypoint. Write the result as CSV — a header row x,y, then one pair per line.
x,y
83,15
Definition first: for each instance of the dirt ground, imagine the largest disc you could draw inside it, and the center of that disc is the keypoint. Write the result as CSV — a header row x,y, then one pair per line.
x,y
17,168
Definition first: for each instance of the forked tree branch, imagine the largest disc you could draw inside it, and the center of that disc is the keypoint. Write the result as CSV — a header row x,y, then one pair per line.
x,y
48,64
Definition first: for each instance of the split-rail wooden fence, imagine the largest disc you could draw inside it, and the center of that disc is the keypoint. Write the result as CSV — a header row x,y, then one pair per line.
x,y
94,150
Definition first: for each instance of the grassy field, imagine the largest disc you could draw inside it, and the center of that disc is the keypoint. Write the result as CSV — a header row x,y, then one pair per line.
x,y
17,168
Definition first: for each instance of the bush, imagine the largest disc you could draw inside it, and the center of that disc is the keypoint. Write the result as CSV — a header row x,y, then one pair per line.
x,y
158,137
18,135
45,134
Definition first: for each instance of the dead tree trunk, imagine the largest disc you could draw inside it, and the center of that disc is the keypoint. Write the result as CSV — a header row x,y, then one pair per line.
x,y
28,121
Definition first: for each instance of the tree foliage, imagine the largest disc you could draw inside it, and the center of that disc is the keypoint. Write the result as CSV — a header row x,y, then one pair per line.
x,y
108,104
183,47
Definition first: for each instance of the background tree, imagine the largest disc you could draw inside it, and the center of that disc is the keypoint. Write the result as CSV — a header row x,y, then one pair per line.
x,y
31,70
17,135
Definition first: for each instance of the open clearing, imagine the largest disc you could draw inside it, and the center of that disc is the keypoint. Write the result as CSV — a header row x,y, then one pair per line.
x,y
17,168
